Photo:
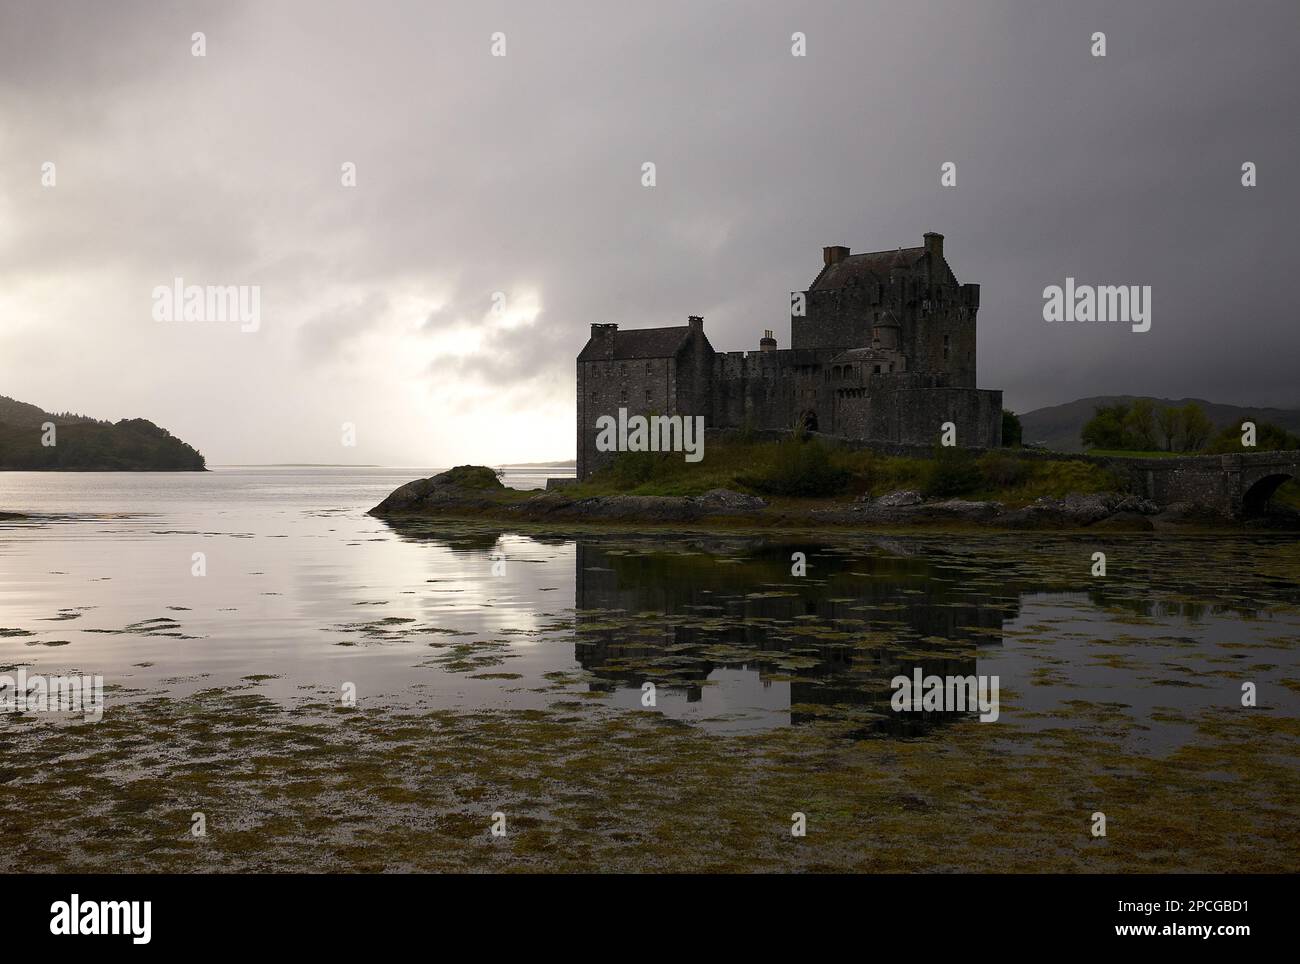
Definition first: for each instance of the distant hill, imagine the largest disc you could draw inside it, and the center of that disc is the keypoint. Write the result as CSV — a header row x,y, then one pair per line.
x,y
87,444
13,412
1058,426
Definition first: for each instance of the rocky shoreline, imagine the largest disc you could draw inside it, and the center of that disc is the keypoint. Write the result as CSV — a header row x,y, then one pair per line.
x,y
447,496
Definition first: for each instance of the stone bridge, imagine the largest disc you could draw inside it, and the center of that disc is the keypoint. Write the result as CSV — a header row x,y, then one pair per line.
x,y
1238,484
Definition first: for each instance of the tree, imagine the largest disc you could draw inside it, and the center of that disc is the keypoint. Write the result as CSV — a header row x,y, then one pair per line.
x,y
1269,437
1170,421
1197,427
1105,430
1140,424
1012,432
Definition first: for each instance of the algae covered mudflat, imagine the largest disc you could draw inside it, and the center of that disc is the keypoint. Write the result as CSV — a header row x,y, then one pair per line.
x,y
321,789
503,672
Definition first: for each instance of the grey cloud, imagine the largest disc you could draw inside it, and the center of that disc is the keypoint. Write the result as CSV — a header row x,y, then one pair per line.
x,y
326,335
480,174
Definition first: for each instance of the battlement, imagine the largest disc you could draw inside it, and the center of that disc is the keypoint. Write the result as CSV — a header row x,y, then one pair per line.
x,y
883,348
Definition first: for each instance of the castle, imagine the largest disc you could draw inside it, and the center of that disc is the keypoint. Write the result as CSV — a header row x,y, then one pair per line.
x,y
882,348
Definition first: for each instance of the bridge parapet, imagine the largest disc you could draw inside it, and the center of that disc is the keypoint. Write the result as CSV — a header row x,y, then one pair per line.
x,y
1234,484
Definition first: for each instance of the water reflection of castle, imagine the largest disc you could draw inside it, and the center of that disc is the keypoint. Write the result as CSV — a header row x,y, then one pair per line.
x,y
839,634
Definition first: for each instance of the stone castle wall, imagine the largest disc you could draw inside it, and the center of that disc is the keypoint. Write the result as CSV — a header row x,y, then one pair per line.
x,y
642,386
884,350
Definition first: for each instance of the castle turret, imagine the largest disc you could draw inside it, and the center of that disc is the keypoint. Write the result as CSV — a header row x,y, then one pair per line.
x,y
885,332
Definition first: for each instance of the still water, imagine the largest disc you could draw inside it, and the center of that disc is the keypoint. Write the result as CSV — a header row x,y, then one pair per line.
x,y
171,583
632,701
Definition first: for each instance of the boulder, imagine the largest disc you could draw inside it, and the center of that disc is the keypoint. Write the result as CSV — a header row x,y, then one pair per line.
x,y
948,510
466,486
727,502
1077,510
902,497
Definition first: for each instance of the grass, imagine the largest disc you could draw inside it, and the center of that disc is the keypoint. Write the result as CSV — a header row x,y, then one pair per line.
x,y
473,477
812,469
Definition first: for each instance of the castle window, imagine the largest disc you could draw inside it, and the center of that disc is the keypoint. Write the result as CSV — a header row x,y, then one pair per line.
x,y
647,396
946,340
647,368
622,395
876,370
622,370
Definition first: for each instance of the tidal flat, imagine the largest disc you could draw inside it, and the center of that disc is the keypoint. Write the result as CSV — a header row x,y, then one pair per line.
x,y
504,671
315,788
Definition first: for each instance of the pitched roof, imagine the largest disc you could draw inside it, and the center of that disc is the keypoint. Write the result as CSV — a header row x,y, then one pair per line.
x,y
870,266
639,343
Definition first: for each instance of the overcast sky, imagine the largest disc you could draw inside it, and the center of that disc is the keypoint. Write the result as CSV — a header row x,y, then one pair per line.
x,y
522,175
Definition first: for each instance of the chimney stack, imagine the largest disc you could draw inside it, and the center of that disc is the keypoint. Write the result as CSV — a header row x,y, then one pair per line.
x,y
834,254
934,244
768,341
603,335
695,322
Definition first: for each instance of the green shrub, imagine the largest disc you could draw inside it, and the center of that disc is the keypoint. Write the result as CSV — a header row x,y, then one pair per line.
x,y
630,469
1058,479
799,467
1002,471
953,472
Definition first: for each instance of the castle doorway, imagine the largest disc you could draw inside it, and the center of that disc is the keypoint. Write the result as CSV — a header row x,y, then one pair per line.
x,y
807,422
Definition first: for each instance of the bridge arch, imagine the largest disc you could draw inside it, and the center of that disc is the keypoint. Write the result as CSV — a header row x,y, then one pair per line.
x,y
1255,498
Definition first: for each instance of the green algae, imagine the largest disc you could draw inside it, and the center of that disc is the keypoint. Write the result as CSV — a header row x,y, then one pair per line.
x,y
300,788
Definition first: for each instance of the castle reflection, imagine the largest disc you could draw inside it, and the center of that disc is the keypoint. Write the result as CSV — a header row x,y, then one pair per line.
x,y
728,612
732,639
